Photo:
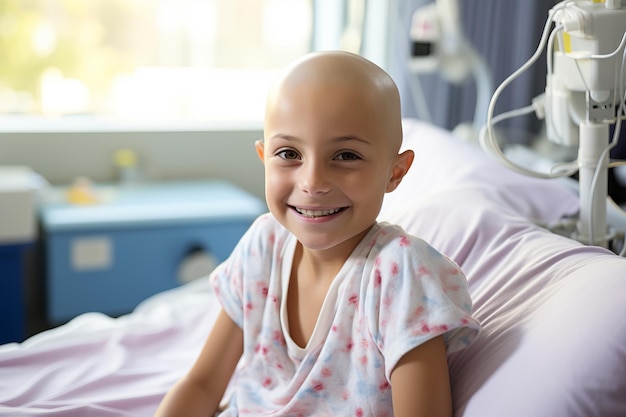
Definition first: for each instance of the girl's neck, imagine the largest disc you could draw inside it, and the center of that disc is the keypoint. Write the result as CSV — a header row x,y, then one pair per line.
x,y
326,263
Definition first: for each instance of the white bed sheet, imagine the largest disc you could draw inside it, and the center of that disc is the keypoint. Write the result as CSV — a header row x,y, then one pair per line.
x,y
101,366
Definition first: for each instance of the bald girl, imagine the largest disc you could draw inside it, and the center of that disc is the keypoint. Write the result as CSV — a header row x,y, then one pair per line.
x,y
323,308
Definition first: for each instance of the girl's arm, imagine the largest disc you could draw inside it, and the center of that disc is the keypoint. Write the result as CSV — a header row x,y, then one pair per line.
x,y
420,382
200,391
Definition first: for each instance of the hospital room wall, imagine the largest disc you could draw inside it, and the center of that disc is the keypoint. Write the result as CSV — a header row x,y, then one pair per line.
x,y
225,153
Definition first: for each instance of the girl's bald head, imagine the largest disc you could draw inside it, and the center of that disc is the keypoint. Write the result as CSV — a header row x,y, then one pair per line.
x,y
373,88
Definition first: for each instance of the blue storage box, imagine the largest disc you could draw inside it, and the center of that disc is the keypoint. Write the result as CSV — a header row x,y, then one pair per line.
x,y
108,257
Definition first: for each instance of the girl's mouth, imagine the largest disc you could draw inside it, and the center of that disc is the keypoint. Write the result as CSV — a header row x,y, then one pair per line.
x,y
313,214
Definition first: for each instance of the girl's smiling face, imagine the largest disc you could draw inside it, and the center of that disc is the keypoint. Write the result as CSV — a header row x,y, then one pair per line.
x,y
329,161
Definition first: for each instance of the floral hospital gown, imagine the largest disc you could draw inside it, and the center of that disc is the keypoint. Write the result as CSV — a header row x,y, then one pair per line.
x,y
393,293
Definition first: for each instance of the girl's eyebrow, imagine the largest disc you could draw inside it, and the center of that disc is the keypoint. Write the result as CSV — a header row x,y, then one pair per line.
x,y
339,139
350,138
285,137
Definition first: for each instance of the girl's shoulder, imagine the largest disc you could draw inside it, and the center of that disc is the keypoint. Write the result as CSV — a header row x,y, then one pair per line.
x,y
393,245
392,237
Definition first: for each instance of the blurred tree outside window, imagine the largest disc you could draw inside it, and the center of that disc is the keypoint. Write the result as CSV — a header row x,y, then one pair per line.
x,y
147,59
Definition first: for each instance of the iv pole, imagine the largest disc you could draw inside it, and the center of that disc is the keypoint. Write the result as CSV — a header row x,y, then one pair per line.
x,y
586,65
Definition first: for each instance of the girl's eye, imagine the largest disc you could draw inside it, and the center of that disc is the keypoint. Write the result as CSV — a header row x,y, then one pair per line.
x,y
288,154
348,156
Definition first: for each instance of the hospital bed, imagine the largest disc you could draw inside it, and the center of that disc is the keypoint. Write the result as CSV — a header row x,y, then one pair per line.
x,y
553,311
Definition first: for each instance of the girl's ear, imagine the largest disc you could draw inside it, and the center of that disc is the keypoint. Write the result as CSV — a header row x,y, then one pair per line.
x,y
401,167
260,149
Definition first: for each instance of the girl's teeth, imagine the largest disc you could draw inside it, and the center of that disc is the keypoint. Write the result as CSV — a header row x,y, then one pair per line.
x,y
316,213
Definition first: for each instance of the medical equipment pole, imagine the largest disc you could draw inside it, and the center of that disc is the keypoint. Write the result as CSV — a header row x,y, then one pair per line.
x,y
593,183
589,63
584,96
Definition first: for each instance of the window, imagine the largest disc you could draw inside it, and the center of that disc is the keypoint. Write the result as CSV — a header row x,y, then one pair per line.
x,y
147,60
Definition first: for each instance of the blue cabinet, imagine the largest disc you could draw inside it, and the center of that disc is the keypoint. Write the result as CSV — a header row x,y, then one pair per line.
x,y
110,256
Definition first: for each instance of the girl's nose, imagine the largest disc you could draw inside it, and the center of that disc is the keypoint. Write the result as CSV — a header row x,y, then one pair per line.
x,y
314,178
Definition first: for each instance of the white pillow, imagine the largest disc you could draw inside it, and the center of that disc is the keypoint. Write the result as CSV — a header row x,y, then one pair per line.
x,y
443,161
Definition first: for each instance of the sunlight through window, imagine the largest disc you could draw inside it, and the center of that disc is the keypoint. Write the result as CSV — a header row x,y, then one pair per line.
x,y
199,60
